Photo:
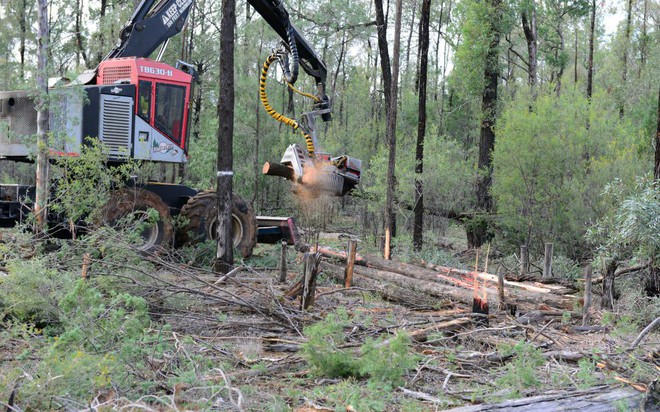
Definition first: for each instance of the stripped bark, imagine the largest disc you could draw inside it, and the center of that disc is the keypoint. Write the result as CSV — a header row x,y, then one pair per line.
x,y
591,400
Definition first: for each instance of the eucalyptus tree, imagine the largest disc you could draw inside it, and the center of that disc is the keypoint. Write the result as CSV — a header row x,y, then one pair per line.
x,y
421,127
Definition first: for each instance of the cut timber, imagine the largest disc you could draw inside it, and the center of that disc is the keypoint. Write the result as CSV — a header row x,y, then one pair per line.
x,y
422,286
601,399
412,270
446,285
421,335
311,270
350,264
387,291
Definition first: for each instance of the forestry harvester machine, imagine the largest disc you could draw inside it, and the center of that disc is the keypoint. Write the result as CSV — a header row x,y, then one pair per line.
x,y
139,108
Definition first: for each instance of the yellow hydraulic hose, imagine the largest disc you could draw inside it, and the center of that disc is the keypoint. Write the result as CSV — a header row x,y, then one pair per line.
x,y
278,116
309,95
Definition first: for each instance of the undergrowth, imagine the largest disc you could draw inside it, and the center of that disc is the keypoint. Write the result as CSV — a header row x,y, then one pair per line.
x,y
69,340
382,361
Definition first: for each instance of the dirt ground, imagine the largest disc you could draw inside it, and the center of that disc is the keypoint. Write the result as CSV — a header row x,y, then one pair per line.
x,y
253,348
460,361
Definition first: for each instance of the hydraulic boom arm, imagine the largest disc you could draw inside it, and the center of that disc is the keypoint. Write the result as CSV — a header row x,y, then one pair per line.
x,y
154,22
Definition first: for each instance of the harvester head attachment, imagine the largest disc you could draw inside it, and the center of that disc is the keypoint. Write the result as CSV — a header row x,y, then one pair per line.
x,y
317,175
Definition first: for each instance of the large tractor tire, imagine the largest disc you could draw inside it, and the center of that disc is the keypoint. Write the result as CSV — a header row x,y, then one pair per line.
x,y
129,208
201,216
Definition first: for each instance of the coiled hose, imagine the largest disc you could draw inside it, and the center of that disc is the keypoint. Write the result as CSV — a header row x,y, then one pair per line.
x,y
290,76
263,96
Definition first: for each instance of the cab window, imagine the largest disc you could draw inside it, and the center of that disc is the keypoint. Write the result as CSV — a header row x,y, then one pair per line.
x,y
144,100
170,100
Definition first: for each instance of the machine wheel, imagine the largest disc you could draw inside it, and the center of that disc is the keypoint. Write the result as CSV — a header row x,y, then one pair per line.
x,y
201,214
129,207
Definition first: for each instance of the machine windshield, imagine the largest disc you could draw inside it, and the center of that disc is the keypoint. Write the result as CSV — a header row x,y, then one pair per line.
x,y
170,100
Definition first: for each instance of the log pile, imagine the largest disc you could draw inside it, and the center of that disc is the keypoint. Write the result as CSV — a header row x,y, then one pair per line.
x,y
443,282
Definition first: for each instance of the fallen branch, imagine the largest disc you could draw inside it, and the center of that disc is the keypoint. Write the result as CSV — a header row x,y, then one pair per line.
x,y
421,335
645,332
425,397
597,399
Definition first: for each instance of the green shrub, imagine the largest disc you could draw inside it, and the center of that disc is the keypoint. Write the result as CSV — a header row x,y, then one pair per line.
x,y
31,291
520,373
383,361
323,347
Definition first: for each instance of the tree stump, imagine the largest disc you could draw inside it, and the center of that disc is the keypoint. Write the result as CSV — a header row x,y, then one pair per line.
x,y
311,270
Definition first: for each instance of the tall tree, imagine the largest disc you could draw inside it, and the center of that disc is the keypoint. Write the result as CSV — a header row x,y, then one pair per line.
x,y
42,191
225,250
80,48
488,108
424,21
390,218
590,62
101,37
626,47
656,170
528,17
383,51
644,37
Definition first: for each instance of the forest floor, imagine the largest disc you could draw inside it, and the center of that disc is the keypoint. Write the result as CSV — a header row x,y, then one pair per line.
x,y
253,348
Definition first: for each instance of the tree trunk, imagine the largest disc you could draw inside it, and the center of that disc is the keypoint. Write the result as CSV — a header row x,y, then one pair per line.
x,y
652,281
410,34
575,61
562,64
384,52
390,219
41,201
609,292
257,134
79,39
590,62
644,38
656,169
487,133
529,28
421,124
104,7
225,249
23,28
624,71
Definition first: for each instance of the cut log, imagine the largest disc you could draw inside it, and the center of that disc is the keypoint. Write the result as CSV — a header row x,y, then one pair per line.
x,y
421,335
421,286
387,291
441,285
430,271
602,399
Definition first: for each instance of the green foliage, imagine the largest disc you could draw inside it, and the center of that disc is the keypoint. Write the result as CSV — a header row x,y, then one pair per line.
x,y
520,373
83,183
548,166
31,291
632,228
382,360
323,347
99,323
386,360
586,373
474,24
565,268
350,392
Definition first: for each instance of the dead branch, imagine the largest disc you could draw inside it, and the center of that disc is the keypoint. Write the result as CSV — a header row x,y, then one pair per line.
x,y
645,332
